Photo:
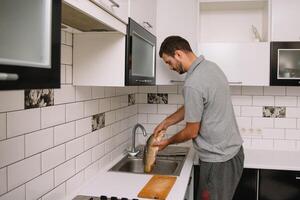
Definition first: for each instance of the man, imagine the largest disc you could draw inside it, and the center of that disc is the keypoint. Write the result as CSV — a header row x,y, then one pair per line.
x,y
210,120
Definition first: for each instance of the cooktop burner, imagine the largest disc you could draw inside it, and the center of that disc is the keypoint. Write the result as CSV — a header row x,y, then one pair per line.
x,y
81,197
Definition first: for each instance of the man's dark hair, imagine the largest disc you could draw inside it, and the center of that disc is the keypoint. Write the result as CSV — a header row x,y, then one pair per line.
x,y
173,43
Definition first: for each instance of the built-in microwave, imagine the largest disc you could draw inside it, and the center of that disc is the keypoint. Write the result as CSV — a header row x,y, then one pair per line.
x,y
140,55
285,63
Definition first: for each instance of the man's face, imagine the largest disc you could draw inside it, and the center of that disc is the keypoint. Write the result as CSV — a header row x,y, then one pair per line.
x,y
173,63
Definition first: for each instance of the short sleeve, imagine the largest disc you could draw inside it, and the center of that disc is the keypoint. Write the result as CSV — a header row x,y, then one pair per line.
x,y
193,104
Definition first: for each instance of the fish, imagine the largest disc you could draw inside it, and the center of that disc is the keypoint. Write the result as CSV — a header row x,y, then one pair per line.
x,y
150,151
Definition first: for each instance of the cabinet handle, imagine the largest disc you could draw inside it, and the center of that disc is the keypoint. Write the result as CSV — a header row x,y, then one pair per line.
x,y
143,81
148,24
175,81
8,77
297,177
235,82
115,4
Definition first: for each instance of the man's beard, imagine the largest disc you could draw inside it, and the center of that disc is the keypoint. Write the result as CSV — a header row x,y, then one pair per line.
x,y
180,69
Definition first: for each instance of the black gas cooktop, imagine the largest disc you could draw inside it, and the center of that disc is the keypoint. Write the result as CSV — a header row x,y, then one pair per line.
x,y
81,197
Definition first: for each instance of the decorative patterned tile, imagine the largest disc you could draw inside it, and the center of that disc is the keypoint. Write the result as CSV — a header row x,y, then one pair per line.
x,y
157,98
98,121
39,98
131,99
274,111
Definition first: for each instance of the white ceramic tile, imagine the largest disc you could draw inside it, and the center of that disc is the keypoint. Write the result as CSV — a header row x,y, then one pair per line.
x,y
39,186
298,123
11,100
298,104
83,160
75,182
91,171
156,118
237,110
132,89
141,98
285,101
263,100
251,111
64,133
286,145
90,140
179,89
23,171
292,134
115,103
258,122
74,147
104,105
109,145
69,38
74,111
171,89
175,99
91,108
120,114
26,120
116,128
104,161
273,133
11,150
121,91
244,122
266,144
3,183
58,193
166,109
63,37
83,93
66,54
38,141
109,91
147,108
285,123
83,126
247,143
110,117
147,89
69,74
97,152
274,90
97,92
53,157
62,74
142,118
298,145
252,90
235,90
2,126
293,112
293,91
53,115
16,194
123,101
64,171
104,134
66,94
241,100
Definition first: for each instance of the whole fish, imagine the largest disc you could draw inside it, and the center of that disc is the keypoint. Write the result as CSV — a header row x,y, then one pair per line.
x,y
151,151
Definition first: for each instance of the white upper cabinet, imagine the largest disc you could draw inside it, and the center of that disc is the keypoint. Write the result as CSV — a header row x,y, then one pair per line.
x,y
235,35
285,20
144,13
174,17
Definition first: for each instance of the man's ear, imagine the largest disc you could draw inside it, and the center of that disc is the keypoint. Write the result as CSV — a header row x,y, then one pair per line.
x,y
178,54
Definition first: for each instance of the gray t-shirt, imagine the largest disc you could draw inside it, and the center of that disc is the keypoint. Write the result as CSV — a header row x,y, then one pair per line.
x,y
207,100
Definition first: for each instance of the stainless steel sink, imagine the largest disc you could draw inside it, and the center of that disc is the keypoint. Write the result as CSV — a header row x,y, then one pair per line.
x,y
168,162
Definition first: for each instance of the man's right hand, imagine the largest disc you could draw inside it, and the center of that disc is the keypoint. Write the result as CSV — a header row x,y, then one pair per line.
x,y
161,126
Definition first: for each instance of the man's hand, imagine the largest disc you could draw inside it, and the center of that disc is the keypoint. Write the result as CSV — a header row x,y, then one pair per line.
x,y
162,144
161,126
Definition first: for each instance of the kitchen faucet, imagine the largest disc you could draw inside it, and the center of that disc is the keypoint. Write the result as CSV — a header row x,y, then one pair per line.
x,y
133,151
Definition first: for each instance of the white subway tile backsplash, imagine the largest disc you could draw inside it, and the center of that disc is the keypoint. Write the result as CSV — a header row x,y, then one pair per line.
x,y
90,140
293,91
3,181
97,92
69,74
142,98
166,109
11,100
64,172
74,182
237,111
293,112
38,141
16,194
104,134
241,100
247,143
83,160
97,152
274,91
285,123
132,89
263,123
11,150
175,99
286,145
64,133
170,89
104,105
253,90
147,108
116,128
23,171
292,134
74,147
26,121
104,161
298,123
39,186
109,91
69,38
243,122
66,55
2,126
251,111
53,115
83,126
91,108
147,89
91,171
83,93
53,157
263,100
66,94
266,144
115,103
285,101
74,111
273,133
110,117
142,118
156,118
58,193
63,37
62,74
236,90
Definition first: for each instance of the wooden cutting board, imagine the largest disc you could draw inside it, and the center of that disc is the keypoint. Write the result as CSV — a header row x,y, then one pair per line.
x,y
158,187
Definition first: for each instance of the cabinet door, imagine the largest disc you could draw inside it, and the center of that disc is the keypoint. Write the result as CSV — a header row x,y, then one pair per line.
x,y
279,185
144,13
174,17
285,20
247,188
